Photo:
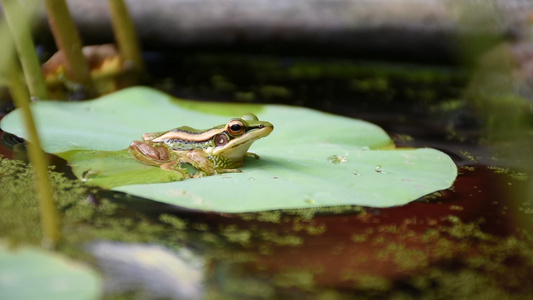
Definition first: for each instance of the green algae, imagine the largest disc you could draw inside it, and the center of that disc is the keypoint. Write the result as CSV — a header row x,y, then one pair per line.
x,y
310,213
269,216
235,235
369,283
175,222
310,229
269,92
519,176
245,288
302,279
281,240
84,218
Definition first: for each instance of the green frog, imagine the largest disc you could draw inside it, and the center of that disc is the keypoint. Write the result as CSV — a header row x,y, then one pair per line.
x,y
216,150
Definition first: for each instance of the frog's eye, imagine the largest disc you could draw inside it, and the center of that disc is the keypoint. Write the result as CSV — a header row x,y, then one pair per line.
x,y
235,128
221,140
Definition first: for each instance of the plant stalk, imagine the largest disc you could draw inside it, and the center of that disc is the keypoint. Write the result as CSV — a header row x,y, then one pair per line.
x,y
69,42
125,34
18,23
49,215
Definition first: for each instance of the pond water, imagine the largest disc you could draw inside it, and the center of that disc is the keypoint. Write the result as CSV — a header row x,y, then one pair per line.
x,y
472,240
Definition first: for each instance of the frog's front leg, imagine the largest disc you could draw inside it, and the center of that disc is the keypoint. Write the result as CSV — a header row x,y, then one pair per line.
x,y
200,161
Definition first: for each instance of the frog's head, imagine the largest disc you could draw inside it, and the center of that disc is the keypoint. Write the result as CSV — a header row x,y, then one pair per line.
x,y
238,136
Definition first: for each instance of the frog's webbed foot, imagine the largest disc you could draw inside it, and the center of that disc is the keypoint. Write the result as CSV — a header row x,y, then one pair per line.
x,y
174,166
253,154
206,167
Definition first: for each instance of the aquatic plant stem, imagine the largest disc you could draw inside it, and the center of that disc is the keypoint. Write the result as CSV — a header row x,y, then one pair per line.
x,y
49,215
18,23
68,41
125,34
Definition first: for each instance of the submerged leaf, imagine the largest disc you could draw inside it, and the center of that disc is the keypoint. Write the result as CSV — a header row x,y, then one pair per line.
x,y
159,272
311,159
32,273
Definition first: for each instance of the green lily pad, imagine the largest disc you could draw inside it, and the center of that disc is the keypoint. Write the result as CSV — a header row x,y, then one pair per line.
x,y
310,159
32,273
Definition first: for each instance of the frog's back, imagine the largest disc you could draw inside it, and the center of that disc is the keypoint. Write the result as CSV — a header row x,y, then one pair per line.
x,y
188,138
184,145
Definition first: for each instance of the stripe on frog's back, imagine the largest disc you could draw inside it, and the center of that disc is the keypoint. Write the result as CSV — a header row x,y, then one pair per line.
x,y
189,134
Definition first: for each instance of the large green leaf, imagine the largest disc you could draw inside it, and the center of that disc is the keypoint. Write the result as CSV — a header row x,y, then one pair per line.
x,y
32,273
311,159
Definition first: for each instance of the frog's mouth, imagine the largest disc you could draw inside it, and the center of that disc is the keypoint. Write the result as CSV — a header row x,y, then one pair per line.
x,y
237,148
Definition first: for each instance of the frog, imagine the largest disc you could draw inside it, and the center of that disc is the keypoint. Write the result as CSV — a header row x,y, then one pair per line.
x,y
219,149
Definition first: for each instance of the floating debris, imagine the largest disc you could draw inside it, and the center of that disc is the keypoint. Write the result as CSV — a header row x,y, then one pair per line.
x,y
335,159
310,201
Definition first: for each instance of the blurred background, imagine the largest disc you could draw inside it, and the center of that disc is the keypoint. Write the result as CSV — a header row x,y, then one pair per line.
x,y
448,74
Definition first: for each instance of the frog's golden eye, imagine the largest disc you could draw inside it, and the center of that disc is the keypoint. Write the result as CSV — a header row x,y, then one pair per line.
x,y
235,128
221,140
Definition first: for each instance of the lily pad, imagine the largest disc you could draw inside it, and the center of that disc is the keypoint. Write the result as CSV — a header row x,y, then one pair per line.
x,y
310,159
31,273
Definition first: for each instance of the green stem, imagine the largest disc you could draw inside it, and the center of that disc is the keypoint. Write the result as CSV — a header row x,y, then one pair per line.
x,y
125,34
49,216
68,41
18,22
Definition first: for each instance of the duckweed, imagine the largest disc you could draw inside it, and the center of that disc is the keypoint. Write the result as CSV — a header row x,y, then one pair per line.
x,y
84,219
302,279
